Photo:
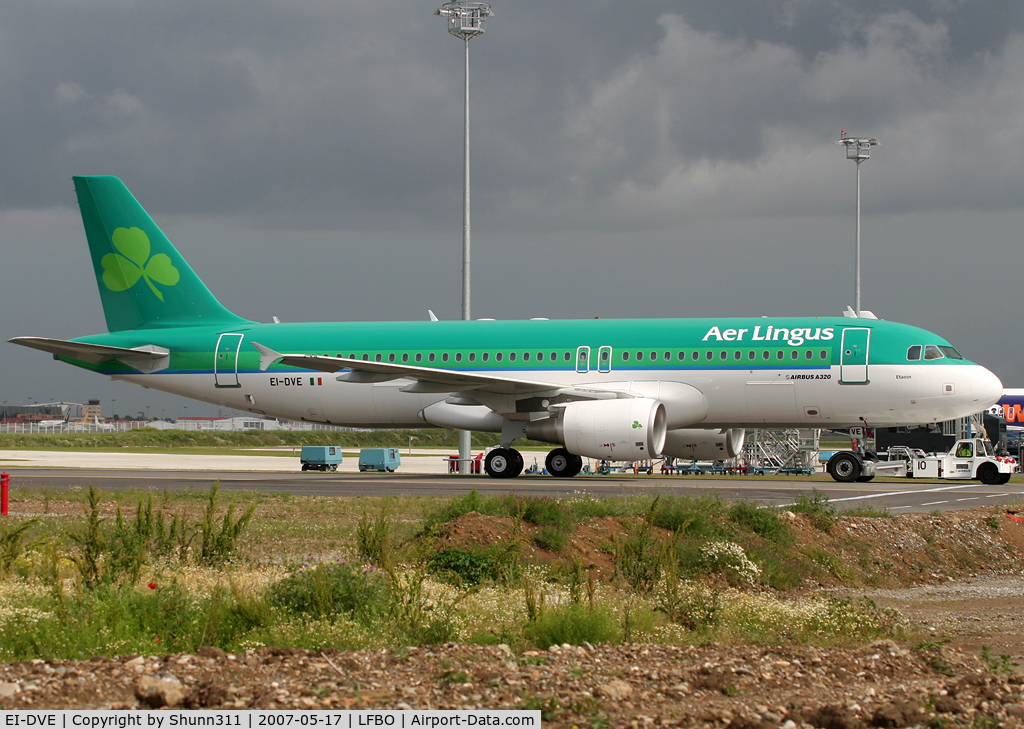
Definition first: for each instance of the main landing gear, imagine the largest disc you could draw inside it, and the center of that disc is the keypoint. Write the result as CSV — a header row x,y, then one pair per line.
x,y
508,463
504,463
563,464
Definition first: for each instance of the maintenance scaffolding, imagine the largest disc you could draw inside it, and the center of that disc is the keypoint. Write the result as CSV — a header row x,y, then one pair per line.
x,y
782,451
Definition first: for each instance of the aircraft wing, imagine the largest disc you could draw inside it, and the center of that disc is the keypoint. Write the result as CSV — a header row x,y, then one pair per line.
x,y
147,358
498,393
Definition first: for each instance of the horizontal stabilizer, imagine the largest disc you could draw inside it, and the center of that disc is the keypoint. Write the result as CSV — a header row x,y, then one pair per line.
x,y
147,358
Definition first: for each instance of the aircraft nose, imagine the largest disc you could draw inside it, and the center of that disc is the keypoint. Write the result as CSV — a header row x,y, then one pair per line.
x,y
986,387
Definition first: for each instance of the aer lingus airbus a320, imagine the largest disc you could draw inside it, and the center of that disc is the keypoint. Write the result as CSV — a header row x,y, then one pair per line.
x,y
622,390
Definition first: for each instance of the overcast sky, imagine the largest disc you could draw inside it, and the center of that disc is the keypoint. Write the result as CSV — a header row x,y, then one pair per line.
x,y
629,159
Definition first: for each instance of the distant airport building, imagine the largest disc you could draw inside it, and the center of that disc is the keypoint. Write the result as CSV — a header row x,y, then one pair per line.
x,y
40,411
92,412
245,422
72,417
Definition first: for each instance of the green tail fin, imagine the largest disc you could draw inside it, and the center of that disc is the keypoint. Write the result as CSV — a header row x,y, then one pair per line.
x,y
144,282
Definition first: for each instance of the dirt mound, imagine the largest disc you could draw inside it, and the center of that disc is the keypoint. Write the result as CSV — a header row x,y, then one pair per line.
x,y
591,541
871,551
919,548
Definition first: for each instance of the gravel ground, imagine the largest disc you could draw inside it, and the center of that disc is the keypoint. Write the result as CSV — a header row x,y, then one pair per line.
x,y
883,684
957,671
974,614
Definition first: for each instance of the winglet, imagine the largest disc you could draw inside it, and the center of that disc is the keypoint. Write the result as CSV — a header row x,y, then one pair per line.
x,y
267,356
433,316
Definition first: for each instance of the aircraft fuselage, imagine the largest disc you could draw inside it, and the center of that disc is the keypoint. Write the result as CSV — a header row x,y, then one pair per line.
x,y
753,372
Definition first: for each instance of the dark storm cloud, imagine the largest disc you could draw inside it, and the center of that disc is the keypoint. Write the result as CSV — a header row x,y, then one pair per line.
x,y
815,26
315,110
629,158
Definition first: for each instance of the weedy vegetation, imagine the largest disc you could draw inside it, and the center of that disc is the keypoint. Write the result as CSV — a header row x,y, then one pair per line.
x,y
150,573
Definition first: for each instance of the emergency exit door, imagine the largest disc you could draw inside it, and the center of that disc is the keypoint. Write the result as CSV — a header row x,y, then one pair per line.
x,y
583,359
225,360
853,364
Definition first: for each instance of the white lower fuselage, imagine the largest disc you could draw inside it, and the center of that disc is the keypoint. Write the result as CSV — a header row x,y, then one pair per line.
x,y
784,398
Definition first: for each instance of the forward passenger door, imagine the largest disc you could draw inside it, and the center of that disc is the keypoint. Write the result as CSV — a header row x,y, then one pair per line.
x,y
853,363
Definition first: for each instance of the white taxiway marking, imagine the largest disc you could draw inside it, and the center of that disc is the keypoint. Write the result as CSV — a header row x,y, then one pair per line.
x,y
907,493
933,503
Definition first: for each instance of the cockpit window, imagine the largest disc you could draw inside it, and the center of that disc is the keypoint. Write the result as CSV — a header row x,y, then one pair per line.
x,y
950,352
914,353
932,352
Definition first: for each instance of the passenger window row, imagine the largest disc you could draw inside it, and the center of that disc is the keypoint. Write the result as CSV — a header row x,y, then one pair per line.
x,y
458,357
736,355
681,356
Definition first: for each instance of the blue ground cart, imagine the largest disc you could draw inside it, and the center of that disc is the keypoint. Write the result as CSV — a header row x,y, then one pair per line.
x,y
379,459
320,458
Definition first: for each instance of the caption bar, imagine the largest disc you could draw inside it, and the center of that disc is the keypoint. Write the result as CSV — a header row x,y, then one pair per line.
x,y
103,719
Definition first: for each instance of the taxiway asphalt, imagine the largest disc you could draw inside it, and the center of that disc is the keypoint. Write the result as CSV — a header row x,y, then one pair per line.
x,y
278,475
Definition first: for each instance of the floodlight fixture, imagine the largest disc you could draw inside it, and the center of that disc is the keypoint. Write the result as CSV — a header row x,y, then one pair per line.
x,y
858,149
466,20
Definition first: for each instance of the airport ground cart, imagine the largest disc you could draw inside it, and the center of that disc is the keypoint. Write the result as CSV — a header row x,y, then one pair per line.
x,y
475,464
320,458
379,459
968,459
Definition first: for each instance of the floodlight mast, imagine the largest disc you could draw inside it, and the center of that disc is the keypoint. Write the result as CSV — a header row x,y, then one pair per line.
x,y
858,149
466,20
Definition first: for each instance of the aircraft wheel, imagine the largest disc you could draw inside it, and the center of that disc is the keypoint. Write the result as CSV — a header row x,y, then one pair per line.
x,y
503,463
988,474
563,464
844,467
519,463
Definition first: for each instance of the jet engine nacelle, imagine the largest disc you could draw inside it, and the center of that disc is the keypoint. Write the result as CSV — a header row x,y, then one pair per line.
x,y
704,445
684,404
630,429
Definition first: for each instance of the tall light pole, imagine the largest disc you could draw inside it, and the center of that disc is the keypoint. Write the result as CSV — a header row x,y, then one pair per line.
x,y
858,149
466,21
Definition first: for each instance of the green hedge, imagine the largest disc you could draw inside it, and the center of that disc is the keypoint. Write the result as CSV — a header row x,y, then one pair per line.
x,y
153,438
